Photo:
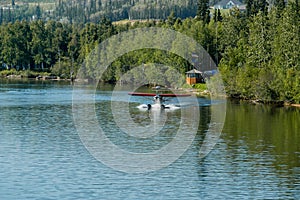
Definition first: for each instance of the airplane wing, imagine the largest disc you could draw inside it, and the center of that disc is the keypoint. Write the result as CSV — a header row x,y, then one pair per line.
x,y
174,95
142,94
153,94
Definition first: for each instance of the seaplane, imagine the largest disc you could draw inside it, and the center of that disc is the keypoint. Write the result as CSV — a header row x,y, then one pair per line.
x,y
158,99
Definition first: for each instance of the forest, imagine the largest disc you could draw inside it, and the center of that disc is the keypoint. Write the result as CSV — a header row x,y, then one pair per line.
x,y
257,51
83,11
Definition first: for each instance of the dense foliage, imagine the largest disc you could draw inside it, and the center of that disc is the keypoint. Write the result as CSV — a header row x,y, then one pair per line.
x,y
261,58
258,52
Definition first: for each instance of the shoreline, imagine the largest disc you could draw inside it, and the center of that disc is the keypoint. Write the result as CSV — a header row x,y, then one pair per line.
x,y
43,78
204,93
271,103
275,103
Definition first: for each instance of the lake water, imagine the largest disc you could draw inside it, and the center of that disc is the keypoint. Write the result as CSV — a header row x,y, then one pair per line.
x,y
42,156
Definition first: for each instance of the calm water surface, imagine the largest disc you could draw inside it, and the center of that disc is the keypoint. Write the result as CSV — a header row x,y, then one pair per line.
x,y
42,157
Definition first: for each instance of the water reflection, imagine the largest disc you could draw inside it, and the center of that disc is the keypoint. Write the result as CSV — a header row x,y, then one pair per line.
x,y
266,129
42,157
263,142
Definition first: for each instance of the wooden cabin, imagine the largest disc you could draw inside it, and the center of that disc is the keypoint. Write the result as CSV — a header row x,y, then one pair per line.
x,y
194,76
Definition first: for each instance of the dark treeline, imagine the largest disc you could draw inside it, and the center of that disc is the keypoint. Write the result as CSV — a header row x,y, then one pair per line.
x,y
50,45
257,51
60,48
93,10
12,10
83,11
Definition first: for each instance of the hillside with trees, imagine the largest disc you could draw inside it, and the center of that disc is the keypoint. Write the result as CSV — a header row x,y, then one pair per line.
x,y
83,11
93,10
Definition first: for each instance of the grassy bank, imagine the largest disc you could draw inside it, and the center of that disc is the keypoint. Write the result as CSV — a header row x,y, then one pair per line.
x,y
13,73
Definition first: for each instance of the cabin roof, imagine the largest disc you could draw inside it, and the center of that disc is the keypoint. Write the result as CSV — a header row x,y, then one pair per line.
x,y
193,71
228,4
225,2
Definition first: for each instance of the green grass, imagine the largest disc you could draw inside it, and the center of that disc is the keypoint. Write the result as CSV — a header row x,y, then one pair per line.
x,y
44,6
200,87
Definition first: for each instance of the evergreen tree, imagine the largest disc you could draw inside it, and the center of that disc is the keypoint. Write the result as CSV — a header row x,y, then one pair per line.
x,y
280,5
203,11
74,46
38,12
1,15
297,6
10,17
286,56
171,20
259,43
38,44
254,6
217,15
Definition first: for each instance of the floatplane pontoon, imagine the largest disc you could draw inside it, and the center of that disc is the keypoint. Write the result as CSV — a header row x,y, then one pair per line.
x,y
158,99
